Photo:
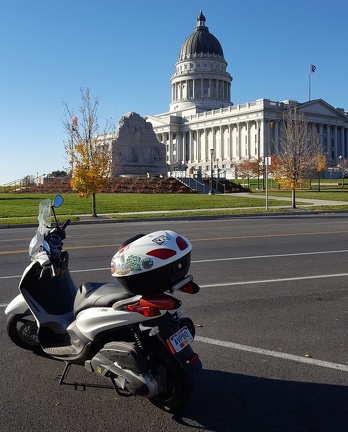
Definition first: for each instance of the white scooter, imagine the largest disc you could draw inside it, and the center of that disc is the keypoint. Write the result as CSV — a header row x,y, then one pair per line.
x,y
121,330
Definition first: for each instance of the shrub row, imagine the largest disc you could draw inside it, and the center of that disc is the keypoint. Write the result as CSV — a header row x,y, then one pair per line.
x,y
132,185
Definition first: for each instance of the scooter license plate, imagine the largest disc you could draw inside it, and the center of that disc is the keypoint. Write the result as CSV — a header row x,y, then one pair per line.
x,y
181,339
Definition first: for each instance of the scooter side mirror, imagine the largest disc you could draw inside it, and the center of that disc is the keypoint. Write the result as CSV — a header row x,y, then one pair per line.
x,y
58,201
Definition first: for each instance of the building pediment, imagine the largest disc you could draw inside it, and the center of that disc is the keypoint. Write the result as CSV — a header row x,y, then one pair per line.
x,y
323,109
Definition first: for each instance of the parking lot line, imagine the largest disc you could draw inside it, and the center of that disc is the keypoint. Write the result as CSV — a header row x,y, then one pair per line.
x,y
280,355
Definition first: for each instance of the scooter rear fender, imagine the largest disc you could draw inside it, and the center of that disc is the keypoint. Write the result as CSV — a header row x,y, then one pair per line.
x,y
17,306
168,325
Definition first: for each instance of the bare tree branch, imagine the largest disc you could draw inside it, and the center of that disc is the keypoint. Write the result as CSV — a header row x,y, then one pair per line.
x,y
298,145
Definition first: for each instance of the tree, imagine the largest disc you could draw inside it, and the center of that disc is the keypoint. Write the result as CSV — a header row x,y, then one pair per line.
x,y
89,151
259,170
343,167
275,169
246,170
57,174
319,165
298,145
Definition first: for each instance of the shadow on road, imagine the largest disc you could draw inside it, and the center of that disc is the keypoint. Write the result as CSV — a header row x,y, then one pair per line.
x,y
229,402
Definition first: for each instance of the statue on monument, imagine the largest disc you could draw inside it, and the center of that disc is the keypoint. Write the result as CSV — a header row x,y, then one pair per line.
x,y
136,150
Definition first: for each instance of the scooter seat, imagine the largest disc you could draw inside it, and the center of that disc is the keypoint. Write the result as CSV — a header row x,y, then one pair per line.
x,y
94,294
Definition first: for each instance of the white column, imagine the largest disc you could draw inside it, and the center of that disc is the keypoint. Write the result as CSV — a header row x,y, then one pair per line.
x,y
321,137
343,147
238,142
180,144
336,153
173,157
195,145
222,144
200,145
247,143
214,147
262,138
328,141
258,138
229,144
276,134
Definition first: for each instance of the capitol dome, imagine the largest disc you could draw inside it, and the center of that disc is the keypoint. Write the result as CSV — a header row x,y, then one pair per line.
x,y
201,41
200,82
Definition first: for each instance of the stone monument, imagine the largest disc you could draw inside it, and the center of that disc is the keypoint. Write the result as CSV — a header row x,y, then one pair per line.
x,y
136,150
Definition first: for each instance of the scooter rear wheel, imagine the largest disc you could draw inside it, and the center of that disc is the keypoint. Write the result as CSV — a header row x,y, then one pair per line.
x,y
22,330
175,381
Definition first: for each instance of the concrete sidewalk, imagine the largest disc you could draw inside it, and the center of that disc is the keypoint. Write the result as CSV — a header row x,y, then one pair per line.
x,y
304,201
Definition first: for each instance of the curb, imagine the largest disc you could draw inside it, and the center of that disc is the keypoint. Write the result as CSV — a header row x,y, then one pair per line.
x,y
89,220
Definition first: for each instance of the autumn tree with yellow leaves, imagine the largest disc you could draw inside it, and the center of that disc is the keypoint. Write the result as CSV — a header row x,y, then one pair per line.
x,y
319,164
88,148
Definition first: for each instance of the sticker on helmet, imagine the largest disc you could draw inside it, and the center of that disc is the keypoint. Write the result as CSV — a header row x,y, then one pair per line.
x,y
147,263
122,269
160,240
134,262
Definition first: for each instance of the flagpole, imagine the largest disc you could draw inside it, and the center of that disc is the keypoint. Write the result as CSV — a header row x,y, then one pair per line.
x,y
311,70
309,82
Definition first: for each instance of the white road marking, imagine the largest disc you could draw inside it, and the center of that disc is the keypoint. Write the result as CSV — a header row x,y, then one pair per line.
x,y
276,354
71,271
299,278
269,256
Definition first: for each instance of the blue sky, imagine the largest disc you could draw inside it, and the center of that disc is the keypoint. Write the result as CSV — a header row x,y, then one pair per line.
x,y
125,52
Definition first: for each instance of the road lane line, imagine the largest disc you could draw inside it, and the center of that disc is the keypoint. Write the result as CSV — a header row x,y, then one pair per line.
x,y
71,271
270,256
221,284
276,354
274,280
260,236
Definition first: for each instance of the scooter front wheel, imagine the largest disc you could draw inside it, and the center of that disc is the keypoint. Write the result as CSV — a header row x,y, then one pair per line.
x,y
22,330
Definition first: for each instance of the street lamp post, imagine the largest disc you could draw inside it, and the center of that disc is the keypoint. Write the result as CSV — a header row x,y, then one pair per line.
x,y
211,192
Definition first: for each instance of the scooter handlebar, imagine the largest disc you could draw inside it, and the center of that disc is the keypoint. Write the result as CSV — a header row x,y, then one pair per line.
x,y
65,224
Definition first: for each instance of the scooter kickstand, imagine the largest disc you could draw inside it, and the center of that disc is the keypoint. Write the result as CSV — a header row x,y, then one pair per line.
x,y
61,377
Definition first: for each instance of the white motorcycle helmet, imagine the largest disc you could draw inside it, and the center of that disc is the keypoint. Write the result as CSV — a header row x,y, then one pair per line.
x,y
152,263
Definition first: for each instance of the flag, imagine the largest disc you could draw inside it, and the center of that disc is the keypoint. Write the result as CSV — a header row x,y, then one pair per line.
x,y
312,68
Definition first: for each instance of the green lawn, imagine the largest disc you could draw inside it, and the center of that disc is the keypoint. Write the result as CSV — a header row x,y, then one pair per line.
x,y
20,205
23,208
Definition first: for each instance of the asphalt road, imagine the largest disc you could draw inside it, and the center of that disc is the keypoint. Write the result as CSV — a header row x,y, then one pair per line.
x,y
271,317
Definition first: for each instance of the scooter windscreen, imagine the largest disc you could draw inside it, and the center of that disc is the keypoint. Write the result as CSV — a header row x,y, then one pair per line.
x,y
44,219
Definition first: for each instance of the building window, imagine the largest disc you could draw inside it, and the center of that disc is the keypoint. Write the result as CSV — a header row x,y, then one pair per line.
x,y
189,89
205,87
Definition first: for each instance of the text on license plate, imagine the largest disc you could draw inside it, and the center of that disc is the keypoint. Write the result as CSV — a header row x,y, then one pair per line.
x,y
180,339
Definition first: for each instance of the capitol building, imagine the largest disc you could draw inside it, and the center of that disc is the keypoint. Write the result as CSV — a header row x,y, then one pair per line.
x,y
203,124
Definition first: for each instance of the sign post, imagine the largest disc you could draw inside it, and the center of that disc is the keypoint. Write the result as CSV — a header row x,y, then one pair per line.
x,y
267,163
